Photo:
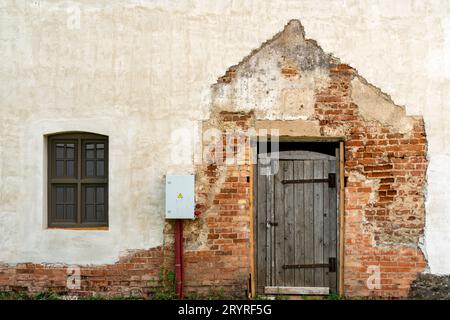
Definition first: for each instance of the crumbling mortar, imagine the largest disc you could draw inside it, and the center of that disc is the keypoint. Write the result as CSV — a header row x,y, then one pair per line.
x,y
197,230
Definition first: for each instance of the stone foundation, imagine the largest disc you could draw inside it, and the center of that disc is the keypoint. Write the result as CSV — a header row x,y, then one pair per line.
x,y
431,287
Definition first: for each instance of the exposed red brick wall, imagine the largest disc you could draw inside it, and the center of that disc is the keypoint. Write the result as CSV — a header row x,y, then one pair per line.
x,y
384,199
223,212
136,274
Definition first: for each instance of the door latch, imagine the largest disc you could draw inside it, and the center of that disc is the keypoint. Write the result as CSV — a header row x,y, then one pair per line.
x,y
272,223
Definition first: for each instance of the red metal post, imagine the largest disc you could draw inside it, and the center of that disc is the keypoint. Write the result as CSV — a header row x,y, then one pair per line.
x,y
179,272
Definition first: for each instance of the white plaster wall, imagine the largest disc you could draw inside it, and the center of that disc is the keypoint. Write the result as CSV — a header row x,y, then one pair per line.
x,y
135,70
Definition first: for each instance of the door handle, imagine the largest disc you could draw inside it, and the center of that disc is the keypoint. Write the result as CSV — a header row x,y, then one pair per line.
x,y
272,224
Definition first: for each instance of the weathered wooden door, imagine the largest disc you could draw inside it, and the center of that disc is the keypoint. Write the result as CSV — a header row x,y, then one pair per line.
x,y
297,223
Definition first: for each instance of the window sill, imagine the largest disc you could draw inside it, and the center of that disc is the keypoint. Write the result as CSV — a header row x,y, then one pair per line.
x,y
79,228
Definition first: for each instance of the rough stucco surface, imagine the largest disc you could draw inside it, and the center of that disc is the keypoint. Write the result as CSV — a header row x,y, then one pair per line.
x,y
139,70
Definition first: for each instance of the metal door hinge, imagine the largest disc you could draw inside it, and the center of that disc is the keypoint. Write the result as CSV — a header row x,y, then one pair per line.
x,y
331,180
331,265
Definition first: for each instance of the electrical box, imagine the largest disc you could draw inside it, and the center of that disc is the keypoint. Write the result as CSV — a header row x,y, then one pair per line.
x,y
180,202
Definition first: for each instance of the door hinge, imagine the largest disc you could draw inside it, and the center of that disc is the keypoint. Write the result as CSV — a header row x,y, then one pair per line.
x,y
331,181
331,265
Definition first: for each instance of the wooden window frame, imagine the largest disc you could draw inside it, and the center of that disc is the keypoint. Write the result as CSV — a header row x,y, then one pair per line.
x,y
79,180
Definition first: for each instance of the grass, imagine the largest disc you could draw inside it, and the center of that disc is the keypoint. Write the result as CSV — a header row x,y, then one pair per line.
x,y
163,293
166,288
335,296
27,296
56,296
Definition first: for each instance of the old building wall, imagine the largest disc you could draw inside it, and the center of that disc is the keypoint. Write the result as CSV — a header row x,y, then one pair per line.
x,y
385,150
137,72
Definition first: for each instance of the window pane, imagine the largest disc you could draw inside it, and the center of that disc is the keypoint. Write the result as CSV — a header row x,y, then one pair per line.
x,y
70,149
60,168
59,194
60,151
100,153
100,195
90,215
89,154
70,195
70,168
89,168
90,196
70,212
100,168
60,211
89,146
100,212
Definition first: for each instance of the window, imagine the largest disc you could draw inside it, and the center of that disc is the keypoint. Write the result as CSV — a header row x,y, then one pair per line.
x,y
77,180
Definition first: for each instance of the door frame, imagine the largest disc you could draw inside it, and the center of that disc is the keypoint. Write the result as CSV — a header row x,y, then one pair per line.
x,y
340,181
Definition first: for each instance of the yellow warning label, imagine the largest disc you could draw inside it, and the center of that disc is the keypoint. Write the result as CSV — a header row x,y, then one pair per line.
x,y
180,196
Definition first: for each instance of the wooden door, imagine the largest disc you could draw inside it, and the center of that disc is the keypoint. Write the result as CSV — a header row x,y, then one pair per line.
x,y
297,223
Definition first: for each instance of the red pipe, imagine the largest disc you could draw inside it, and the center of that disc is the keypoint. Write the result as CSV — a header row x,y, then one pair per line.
x,y
179,267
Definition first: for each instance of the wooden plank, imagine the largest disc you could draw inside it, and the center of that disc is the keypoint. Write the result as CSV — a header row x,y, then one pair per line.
x,y
262,124
298,155
253,222
279,229
326,223
332,248
289,224
318,139
318,223
270,261
297,290
341,218
261,223
308,173
299,224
